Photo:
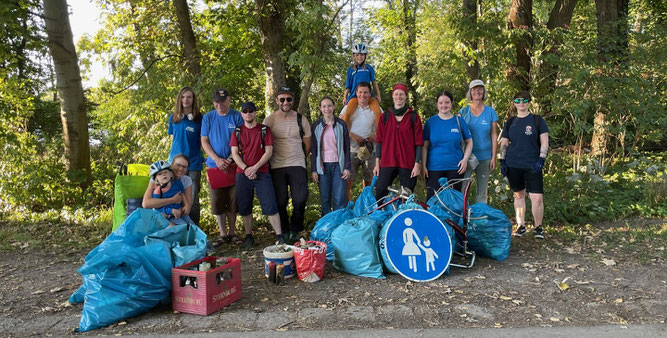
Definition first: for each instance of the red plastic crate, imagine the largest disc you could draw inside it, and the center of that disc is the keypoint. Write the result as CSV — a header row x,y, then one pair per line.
x,y
209,296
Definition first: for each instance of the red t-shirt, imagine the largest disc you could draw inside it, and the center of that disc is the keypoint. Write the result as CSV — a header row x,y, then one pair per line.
x,y
251,146
399,139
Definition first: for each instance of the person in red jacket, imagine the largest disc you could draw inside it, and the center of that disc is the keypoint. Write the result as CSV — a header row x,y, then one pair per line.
x,y
398,145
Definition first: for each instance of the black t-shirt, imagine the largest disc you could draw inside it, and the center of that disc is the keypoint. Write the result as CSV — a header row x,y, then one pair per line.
x,y
524,149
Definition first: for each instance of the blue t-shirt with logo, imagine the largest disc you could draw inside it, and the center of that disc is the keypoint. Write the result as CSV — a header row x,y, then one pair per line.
x,y
444,152
219,130
480,128
186,140
524,146
356,75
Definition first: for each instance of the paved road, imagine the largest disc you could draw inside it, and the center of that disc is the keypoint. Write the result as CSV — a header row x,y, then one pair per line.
x,y
607,331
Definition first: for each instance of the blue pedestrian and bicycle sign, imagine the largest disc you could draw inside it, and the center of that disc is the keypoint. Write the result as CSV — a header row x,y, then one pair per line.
x,y
417,245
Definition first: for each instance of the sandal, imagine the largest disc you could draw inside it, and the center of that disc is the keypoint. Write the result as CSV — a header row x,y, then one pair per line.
x,y
218,241
234,240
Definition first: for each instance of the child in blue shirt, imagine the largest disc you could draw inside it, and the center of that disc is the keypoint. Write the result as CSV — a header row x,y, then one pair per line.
x,y
167,187
356,74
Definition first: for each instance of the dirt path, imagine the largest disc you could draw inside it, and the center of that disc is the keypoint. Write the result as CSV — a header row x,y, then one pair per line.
x,y
603,284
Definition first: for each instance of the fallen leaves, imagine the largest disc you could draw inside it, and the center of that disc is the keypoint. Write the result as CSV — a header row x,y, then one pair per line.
x,y
608,262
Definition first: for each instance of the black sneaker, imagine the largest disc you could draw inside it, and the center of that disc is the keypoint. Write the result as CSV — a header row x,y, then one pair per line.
x,y
539,233
520,231
248,242
280,239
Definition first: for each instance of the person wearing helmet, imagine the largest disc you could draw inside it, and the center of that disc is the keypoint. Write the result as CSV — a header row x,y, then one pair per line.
x,y
359,72
179,167
167,187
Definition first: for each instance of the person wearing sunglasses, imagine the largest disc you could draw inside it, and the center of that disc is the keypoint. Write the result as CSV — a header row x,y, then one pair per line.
x,y
524,145
291,142
481,119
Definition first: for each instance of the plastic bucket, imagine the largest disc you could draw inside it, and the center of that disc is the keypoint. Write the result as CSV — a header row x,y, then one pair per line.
x,y
279,257
310,261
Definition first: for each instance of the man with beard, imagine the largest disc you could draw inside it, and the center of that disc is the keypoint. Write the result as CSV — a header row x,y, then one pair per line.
x,y
291,143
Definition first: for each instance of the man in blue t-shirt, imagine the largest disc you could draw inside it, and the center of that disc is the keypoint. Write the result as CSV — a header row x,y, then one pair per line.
x,y
217,128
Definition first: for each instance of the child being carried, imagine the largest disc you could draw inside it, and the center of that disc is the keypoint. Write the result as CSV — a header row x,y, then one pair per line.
x,y
167,187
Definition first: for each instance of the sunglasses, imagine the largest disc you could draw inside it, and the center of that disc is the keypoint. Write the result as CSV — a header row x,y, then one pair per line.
x,y
248,111
283,99
521,100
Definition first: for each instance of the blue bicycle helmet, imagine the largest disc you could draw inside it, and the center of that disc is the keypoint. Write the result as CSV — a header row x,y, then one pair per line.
x,y
360,48
157,167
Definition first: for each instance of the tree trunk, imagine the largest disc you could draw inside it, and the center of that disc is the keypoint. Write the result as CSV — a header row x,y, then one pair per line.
x,y
410,31
70,91
470,17
145,50
521,18
188,39
271,29
559,18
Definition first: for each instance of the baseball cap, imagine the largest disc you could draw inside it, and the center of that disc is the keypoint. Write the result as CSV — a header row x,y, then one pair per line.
x,y
248,105
475,83
285,90
220,94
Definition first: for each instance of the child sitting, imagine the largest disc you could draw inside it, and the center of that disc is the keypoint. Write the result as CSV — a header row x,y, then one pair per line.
x,y
167,187
356,74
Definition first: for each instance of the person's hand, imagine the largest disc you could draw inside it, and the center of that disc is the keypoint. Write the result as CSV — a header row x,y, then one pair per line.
x,y
463,165
492,164
503,168
357,139
424,172
221,163
376,170
315,177
176,212
371,138
176,199
415,170
537,167
250,172
346,174
186,210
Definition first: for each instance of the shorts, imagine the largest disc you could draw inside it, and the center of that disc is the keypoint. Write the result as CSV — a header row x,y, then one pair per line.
x,y
367,167
223,200
521,178
245,192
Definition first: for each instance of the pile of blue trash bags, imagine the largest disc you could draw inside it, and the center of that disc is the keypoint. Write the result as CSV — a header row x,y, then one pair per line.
x,y
130,271
354,237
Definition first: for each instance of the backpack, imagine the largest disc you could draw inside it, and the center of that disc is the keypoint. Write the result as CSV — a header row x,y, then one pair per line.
x,y
299,119
413,118
237,134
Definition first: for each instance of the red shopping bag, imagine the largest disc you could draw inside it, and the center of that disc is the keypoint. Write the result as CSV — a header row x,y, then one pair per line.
x,y
310,260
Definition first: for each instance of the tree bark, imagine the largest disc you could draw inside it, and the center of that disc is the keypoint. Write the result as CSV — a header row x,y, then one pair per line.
x,y
521,18
70,90
271,30
470,18
188,39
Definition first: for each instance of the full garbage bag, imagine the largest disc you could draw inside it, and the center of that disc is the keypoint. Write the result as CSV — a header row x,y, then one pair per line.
x,y
366,202
327,224
491,236
186,242
130,271
356,248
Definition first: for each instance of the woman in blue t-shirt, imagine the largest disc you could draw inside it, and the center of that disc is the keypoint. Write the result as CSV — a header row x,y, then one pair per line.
x,y
481,120
442,155
523,148
185,127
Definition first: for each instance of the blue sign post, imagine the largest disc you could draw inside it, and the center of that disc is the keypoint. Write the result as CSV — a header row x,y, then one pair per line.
x,y
417,245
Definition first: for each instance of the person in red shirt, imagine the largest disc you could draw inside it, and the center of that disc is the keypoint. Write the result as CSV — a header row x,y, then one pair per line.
x,y
399,143
252,147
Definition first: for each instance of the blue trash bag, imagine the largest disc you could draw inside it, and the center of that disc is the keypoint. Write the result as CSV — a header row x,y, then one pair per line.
x,y
356,248
366,200
408,205
326,225
187,242
127,274
453,200
489,237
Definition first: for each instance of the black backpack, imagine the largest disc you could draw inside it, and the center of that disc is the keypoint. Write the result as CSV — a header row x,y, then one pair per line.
x,y
237,134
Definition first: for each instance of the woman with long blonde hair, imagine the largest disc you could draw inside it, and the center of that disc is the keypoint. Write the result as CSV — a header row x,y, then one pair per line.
x,y
185,129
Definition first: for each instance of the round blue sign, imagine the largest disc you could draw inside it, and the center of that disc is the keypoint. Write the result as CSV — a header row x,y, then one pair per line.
x,y
417,245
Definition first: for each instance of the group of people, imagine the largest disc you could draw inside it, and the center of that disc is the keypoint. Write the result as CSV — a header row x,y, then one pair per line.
x,y
269,158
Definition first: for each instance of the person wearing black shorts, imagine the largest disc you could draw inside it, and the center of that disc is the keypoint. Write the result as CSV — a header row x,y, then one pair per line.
x,y
523,148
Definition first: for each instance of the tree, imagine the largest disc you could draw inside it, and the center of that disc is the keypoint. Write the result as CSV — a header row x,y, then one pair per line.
x,y
520,23
188,39
470,24
70,91
271,21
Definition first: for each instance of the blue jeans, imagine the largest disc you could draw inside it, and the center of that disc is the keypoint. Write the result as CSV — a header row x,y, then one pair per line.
x,y
332,188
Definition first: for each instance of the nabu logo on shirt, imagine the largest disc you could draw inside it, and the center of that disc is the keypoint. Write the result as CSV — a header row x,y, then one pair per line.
x,y
231,126
529,130
454,130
